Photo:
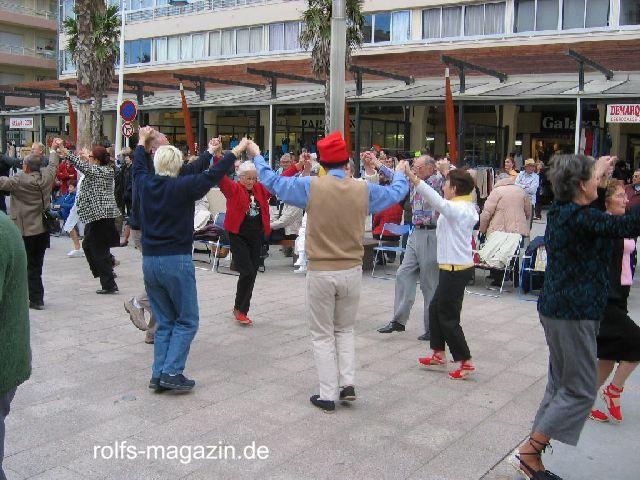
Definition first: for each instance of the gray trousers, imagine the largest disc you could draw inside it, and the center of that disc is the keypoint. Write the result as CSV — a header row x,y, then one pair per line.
x,y
5,403
420,261
143,298
573,377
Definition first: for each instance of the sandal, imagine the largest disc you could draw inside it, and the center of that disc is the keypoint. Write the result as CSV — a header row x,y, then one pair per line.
x,y
527,470
463,372
598,416
609,394
435,360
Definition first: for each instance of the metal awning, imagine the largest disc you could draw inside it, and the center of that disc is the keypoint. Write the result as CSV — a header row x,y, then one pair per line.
x,y
523,88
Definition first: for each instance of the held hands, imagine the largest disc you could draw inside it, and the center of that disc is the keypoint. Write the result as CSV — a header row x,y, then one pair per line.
x,y
604,169
145,134
56,143
252,149
215,145
304,161
84,154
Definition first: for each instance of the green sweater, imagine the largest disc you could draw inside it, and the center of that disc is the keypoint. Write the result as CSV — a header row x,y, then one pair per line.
x,y
15,352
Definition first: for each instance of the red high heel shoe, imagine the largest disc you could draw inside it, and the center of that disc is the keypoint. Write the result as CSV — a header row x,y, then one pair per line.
x,y
609,394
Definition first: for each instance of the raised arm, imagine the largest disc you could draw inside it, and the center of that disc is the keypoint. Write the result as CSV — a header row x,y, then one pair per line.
x,y
595,222
196,186
291,190
381,198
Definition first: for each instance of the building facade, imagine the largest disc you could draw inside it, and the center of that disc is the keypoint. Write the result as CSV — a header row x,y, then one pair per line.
x,y
532,113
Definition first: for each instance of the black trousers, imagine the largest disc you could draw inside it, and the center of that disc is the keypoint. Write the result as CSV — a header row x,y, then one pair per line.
x,y
36,246
98,239
444,313
246,259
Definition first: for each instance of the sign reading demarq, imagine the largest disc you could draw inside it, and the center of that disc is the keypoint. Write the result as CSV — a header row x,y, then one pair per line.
x,y
624,113
21,122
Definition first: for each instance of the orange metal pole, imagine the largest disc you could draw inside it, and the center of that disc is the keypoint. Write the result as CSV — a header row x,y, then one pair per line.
x,y
191,142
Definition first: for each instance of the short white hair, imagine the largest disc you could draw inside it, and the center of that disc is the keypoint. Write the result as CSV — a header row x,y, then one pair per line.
x,y
167,161
246,167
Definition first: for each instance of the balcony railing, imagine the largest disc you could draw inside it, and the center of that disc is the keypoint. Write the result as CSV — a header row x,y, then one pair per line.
x,y
13,7
28,52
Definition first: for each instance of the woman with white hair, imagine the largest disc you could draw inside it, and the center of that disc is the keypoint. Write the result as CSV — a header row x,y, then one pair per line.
x,y
247,221
167,205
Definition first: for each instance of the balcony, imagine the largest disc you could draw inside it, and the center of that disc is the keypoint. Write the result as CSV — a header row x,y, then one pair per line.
x,y
28,17
27,57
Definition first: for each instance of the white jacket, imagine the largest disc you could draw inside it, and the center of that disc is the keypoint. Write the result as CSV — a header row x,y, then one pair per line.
x,y
455,226
290,219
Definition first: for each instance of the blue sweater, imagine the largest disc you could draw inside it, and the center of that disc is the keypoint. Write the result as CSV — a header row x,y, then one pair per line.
x,y
167,205
578,244
66,204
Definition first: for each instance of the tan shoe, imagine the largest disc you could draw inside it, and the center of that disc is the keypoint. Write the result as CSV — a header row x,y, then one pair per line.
x,y
136,314
150,336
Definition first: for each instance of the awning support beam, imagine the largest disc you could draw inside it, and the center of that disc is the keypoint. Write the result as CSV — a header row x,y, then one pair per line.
x,y
274,76
203,80
360,70
582,61
462,66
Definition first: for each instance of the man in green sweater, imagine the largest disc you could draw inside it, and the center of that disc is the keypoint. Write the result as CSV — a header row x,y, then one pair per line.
x,y
15,352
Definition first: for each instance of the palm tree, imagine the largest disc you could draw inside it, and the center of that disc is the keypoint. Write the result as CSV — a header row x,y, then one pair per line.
x,y
316,36
94,36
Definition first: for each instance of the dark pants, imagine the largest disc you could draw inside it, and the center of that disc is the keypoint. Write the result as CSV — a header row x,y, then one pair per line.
x,y
36,246
98,239
444,313
5,403
246,259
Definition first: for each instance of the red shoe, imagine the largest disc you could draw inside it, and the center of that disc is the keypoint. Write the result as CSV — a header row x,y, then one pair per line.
x,y
435,360
598,416
608,394
241,317
463,372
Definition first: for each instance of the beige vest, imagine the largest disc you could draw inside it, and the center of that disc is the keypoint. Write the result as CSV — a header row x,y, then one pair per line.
x,y
336,214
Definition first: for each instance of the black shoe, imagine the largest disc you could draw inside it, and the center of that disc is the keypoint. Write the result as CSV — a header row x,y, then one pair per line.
x,y
36,306
109,291
425,337
348,394
154,384
328,406
392,326
176,382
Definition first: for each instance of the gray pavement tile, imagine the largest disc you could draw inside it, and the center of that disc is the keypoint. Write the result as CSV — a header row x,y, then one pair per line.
x,y
58,473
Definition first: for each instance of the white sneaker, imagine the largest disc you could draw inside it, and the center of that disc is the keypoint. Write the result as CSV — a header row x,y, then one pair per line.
x,y
75,254
302,269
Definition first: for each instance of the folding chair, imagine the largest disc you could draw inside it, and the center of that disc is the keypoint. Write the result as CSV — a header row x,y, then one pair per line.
x,y
530,269
394,229
510,268
219,222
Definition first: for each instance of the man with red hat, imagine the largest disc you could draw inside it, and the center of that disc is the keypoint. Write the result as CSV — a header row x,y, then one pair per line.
x,y
336,206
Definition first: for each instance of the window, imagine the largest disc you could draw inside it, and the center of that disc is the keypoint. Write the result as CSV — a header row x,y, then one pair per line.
x,y
284,36
387,27
629,12
10,78
173,48
451,22
67,9
214,44
228,43
197,41
10,39
255,41
137,51
161,49
67,62
479,20
185,47
242,40
536,15
585,13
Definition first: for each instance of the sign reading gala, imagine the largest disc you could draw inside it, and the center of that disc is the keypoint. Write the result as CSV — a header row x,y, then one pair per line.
x,y
625,113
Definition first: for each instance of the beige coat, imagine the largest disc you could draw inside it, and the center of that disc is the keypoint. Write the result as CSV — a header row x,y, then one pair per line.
x,y
29,191
507,209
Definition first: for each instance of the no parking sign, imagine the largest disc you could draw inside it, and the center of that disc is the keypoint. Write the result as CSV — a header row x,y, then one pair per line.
x,y
128,110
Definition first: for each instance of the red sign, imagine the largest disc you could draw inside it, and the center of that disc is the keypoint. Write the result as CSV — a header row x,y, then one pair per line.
x,y
127,129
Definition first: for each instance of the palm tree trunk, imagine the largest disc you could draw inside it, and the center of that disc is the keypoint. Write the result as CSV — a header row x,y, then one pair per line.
x,y
83,17
327,105
96,119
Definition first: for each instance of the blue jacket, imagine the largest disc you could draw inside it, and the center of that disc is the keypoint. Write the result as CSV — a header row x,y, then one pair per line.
x,y
578,245
167,205
142,155
66,204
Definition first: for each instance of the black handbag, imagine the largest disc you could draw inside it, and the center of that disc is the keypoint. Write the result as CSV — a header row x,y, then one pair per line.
x,y
49,222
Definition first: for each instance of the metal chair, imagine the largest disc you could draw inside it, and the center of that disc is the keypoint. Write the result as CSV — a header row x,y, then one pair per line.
x,y
219,222
394,229
529,269
511,267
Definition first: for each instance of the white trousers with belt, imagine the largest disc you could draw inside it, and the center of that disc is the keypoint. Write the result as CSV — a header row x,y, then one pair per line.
x,y
332,299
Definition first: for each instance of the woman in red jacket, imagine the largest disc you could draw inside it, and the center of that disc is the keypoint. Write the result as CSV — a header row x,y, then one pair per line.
x,y
66,173
247,221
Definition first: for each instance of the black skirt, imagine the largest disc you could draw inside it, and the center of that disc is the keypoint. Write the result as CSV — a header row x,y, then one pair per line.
x,y
619,336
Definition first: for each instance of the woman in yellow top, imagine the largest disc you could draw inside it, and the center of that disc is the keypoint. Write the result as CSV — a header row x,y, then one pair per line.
x,y
509,167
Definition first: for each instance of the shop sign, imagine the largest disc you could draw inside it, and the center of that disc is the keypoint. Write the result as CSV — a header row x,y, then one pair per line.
x,y
626,113
558,121
22,122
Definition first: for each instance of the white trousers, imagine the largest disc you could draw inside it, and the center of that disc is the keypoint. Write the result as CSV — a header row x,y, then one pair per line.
x,y
332,299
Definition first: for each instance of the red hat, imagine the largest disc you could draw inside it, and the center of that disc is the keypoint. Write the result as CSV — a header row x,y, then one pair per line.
x,y
333,149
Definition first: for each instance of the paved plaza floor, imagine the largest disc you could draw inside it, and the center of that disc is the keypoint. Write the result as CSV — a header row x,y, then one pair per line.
x,y
88,392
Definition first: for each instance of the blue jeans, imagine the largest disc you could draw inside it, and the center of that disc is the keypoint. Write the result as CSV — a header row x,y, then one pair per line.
x,y
170,282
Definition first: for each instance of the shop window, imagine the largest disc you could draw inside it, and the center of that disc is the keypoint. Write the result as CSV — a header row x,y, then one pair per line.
x,y
629,12
387,27
585,13
536,15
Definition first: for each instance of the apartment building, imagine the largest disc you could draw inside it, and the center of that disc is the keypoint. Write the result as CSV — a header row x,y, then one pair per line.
x,y
528,102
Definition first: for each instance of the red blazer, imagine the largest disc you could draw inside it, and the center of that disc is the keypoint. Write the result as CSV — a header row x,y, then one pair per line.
x,y
238,204
393,214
